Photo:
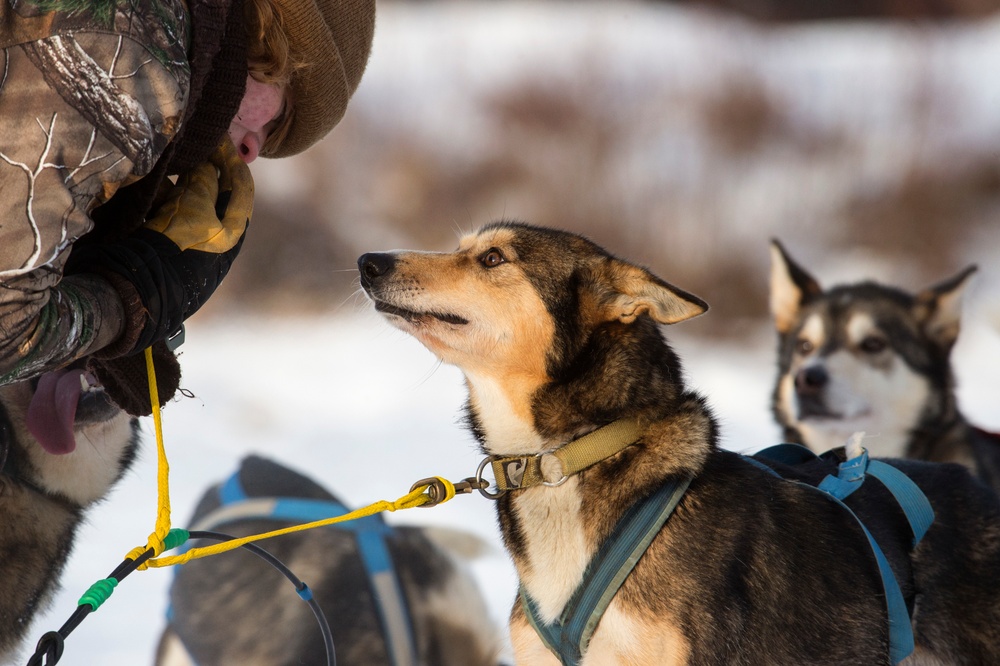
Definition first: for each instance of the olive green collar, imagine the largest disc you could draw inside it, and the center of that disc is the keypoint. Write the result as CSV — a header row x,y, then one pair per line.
x,y
552,468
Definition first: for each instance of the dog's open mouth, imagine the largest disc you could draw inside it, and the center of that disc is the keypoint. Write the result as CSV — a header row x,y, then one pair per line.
x,y
61,400
415,317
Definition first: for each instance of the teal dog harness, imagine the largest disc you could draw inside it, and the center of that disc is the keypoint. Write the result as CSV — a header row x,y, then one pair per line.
x,y
917,509
370,532
569,635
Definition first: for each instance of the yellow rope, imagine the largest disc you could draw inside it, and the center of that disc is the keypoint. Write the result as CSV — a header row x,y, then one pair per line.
x,y
410,500
414,498
155,540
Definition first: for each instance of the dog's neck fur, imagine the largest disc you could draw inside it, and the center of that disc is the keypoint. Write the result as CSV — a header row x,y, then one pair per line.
x,y
621,371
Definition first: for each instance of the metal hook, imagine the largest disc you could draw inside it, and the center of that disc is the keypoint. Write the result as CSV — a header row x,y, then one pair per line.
x,y
483,484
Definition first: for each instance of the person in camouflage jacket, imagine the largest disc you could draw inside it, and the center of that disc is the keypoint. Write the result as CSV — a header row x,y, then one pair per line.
x,y
103,103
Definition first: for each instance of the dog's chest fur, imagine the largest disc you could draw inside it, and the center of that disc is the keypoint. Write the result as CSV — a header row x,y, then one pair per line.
x,y
553,552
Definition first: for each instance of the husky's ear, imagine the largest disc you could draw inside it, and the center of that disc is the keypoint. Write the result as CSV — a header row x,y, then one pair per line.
x,y
939,308
791,285
634,291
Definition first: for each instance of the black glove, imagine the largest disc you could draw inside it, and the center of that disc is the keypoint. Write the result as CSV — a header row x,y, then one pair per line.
x,y
167,269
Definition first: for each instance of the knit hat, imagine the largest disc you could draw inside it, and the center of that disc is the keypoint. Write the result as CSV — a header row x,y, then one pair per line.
x,y
333,39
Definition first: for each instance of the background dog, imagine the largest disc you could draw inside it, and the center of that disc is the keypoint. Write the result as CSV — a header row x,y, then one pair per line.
x,y
235,609
872,358
557,338
63,444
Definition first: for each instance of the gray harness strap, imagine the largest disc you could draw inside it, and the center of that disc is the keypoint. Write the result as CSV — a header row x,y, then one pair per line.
x,y
570,634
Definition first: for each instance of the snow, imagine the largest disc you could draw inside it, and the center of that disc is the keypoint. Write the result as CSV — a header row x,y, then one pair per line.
x,y
367,411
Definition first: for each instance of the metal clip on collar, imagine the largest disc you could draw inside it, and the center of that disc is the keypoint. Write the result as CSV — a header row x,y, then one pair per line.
x,y
437,492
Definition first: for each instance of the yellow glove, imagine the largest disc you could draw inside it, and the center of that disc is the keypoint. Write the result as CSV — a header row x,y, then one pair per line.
x,y
209,207
165,270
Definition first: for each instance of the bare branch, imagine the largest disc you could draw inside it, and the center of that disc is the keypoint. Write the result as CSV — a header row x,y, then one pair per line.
x,y
30,263
89,89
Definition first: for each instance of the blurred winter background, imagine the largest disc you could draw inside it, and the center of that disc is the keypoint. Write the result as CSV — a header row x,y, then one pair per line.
x,y
865,134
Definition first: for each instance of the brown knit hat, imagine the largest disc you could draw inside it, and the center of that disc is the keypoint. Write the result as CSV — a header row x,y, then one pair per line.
x,y
333,38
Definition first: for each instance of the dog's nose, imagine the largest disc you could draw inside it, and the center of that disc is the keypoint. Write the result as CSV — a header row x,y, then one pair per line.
x,y
374,265
811,379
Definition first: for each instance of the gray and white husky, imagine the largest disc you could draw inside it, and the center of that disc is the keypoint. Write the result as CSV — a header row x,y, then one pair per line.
x,y
63,444
873,358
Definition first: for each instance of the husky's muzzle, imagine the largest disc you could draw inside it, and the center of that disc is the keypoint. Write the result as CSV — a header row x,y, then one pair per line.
x,y
811,383
378,272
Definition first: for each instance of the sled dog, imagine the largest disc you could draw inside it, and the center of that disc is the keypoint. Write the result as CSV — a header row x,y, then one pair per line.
x,y
873,358
560,343
391,596
63,444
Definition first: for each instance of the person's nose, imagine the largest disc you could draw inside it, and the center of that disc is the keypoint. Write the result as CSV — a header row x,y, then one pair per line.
x,y
247,143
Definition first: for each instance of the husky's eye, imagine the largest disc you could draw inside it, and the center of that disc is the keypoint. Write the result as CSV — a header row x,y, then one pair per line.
x,y
491,258
872,345
803,346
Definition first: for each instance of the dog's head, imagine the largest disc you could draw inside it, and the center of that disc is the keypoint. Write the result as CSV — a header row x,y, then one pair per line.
x,y
61,435
529,314
861,357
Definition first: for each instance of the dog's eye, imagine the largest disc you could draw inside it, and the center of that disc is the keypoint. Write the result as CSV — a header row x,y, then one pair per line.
x,y
491,258
803,346
872,345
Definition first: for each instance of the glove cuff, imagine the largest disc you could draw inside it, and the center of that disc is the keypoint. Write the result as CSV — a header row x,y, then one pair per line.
x,y
126,380
135,319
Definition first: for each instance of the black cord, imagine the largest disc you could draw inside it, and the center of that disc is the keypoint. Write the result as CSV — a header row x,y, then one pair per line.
x,y
300,587
50,646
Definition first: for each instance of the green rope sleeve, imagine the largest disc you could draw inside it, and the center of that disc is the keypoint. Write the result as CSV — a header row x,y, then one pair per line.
x,y
175,537
98,593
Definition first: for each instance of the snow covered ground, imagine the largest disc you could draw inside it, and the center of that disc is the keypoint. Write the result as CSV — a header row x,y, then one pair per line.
x,y
367,411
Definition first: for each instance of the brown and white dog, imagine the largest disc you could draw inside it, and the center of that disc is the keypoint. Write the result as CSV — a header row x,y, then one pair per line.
x,y
873,358
557,338
63,445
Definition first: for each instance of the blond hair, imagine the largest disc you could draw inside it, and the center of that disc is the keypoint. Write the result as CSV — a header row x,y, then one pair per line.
x,y
270,59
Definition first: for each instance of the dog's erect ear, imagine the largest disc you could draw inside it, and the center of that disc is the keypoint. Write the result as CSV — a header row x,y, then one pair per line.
x,y
635,291
939,308
790,286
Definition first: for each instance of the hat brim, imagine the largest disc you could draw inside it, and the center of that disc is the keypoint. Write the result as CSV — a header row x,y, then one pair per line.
x,y
322,87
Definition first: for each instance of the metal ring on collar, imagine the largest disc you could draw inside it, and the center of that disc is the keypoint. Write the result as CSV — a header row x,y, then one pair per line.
x,y
557,482
484,485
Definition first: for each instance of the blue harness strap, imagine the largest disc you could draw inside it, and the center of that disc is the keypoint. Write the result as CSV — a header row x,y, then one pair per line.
x,y
917,509
570,634
370,533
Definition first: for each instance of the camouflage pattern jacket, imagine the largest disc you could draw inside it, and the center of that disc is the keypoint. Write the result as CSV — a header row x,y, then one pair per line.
x,y
91,93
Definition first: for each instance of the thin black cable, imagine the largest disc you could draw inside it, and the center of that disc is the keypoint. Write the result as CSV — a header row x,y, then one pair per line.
x,y
51,645
300,586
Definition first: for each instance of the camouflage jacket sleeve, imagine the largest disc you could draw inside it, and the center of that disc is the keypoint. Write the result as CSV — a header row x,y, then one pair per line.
x,y
90,95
